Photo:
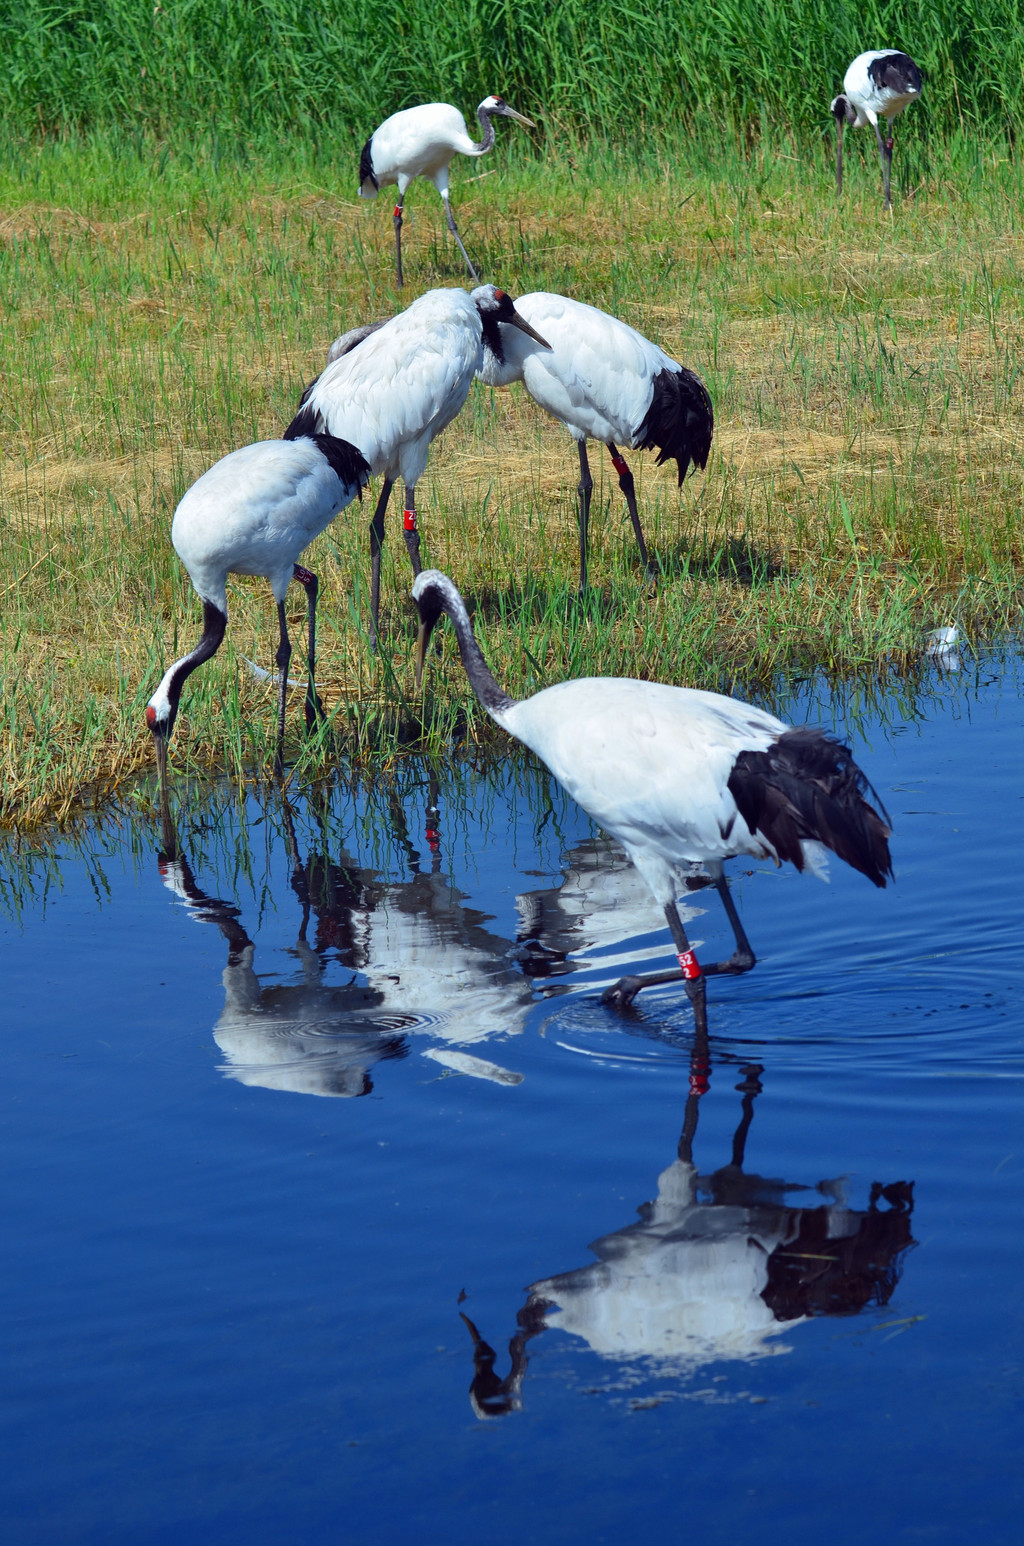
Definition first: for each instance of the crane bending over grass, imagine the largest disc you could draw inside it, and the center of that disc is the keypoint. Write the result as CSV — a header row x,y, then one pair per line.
x,y
420,142
878,84
679,776
253,512
602,378
394,389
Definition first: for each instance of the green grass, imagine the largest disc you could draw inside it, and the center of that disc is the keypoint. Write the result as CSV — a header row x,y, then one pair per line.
x,y
582,66
163,302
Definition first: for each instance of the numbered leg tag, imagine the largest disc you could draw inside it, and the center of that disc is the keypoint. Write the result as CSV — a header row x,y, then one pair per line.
x,y
409,518
689,965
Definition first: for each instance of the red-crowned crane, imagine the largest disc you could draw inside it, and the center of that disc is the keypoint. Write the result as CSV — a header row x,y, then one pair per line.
x,y
420,142
253,512
680,777
602,379
392,391
878,84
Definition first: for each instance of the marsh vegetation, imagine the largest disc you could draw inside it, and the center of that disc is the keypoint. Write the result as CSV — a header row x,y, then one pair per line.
x,y
165,302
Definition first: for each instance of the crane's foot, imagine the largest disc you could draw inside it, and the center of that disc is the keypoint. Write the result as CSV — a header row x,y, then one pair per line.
x,y
622,993
740,961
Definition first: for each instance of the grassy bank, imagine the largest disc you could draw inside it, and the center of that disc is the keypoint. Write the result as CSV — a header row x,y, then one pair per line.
x,y
162,305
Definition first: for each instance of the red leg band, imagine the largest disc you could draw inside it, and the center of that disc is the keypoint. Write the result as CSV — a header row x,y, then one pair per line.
x,y
620,465
700,1076
409,520
689,965
398,211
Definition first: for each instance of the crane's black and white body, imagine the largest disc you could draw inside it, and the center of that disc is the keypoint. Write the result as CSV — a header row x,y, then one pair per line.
x,y
254,512
878,84
679,776
604,380
392,391
420,142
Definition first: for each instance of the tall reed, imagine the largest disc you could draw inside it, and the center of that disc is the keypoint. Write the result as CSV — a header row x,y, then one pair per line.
x,y
581,66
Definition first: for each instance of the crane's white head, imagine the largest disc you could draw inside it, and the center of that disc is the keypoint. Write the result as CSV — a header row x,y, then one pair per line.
x,y
162,709
496,307
434,594
498,107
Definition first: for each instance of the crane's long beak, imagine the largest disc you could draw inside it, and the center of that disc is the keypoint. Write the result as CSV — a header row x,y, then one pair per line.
x,y
524,327
510,112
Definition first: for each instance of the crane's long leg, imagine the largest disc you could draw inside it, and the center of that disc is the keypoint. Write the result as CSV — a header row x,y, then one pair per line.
x,y
839,156
398,236
885,155
410,529
376,543
284,655
584,489
453,228
622,993
311,585
743,957
628,488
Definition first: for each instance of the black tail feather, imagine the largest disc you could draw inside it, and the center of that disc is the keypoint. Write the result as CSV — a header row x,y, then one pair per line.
x,y
307,421
366,165
680,421
347,460
897,71
807,786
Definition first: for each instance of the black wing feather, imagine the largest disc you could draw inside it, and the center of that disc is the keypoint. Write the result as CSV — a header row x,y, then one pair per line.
x,y
807,786
896,71
366,165
680,421
307,421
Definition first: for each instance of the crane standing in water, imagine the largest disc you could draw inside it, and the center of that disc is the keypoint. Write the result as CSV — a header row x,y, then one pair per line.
x,y
680,777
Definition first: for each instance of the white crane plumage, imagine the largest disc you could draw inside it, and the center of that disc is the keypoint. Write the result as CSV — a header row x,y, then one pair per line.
x,y
603,379
878,84
680,777
420,142
253,512
394,389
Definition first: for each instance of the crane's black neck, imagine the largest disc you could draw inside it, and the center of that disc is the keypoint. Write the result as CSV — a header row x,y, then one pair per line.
x,y
483,114
491,328
438,598
215,623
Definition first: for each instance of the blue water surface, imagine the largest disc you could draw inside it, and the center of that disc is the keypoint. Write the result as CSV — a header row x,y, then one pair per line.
x,y
322,1167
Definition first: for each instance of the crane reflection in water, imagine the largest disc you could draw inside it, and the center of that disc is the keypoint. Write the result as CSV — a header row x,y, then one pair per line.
x,y
417,959
718,1264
